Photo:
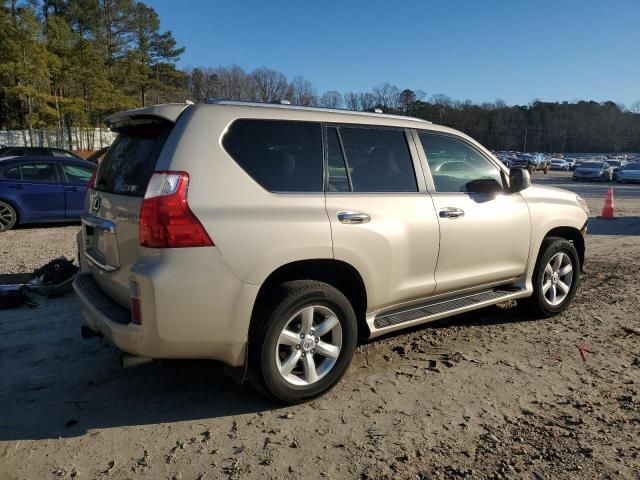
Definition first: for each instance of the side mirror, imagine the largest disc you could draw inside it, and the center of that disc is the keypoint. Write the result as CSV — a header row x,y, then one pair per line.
x,y
519,179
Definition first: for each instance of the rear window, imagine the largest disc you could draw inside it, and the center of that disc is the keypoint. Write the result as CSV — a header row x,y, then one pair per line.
x,y
282,156
131,160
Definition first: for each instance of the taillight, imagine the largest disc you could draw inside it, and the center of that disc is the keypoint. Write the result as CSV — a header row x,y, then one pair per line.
x,y
166,221
92,180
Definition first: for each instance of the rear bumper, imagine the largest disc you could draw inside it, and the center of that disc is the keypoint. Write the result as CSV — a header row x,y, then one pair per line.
x,y
192,306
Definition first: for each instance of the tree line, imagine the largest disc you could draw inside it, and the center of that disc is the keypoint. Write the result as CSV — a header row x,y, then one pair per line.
x,y
66,64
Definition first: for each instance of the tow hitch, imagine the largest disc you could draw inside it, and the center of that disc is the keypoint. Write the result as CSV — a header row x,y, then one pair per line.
x,y
87,333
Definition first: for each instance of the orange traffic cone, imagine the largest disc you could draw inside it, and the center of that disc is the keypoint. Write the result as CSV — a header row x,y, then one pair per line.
x,y
607,210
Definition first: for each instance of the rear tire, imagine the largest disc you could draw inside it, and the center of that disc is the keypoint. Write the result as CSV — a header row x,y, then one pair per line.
x,y
8,216
302,342
555,278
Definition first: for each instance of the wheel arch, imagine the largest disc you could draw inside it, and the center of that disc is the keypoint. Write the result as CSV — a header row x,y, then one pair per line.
x,y
15,207
573,235
336,273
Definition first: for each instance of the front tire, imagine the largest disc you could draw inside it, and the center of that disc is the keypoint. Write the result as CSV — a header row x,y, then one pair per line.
x,y
555,278
303,341
8,217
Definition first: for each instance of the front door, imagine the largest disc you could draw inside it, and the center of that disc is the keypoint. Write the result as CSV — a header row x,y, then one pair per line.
x,y
41,193
382,220
485,231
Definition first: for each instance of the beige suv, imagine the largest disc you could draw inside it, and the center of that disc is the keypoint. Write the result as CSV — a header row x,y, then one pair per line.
x,y
273,237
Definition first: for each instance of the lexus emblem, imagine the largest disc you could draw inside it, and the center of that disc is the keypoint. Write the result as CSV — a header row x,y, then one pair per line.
x,y
95,203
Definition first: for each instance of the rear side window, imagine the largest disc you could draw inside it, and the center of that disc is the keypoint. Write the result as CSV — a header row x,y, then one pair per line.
x,y
282,156
77,173
378,160
39,172
131,160
12,173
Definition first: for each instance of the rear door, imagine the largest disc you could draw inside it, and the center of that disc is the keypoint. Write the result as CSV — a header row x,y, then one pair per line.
x,y
40,192
110,228
382,219
75,178
484,230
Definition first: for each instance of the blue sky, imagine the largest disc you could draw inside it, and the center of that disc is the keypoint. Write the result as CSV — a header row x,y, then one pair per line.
x,y
480,50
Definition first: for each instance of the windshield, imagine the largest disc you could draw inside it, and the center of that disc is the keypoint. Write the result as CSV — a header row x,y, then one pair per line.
x,y
591,165
614,163
633,166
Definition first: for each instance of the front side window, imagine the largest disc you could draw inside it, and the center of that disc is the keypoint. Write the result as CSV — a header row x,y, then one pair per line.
x,y
378,160
39,172
12,173
282,156
458,167
77,174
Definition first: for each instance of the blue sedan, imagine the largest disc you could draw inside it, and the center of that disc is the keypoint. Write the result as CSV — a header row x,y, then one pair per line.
x,y
42,189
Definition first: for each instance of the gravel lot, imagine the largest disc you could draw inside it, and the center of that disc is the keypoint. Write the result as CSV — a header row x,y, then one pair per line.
x,y
489,394
29,247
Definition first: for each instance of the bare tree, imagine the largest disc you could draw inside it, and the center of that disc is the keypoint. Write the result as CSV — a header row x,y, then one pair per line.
x,y
366,100
269,85
635,107
352,101
331,99
232,83
386,95
302,92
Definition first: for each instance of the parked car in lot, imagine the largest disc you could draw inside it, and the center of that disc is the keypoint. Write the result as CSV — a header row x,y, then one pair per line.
x,y
37,151
616,165
533,162
559,164
594,170
42,189
630,173
272,237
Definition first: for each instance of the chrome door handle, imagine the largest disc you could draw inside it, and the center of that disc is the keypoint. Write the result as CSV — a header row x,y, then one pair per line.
x,y
353,217
451,212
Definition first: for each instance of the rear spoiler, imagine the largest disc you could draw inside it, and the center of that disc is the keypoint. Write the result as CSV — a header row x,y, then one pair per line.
x,y
168,112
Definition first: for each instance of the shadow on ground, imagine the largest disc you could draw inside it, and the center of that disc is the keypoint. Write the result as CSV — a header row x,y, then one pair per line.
x,y
618,226
62,386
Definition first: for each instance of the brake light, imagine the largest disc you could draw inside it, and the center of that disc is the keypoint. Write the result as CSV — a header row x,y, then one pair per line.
x,y
92,180
166,221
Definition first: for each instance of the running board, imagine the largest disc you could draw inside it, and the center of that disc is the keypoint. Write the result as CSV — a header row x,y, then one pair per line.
x,y
440,307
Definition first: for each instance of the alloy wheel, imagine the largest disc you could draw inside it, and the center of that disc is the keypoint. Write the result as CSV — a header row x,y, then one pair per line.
x,y
558,278
6,217
309,345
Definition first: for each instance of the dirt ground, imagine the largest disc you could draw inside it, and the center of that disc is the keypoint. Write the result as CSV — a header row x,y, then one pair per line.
x,y
490,394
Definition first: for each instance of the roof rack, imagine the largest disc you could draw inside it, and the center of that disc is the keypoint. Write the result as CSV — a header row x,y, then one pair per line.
x,y
281,104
